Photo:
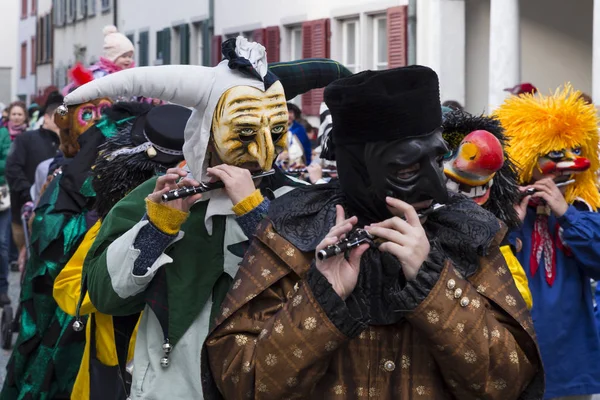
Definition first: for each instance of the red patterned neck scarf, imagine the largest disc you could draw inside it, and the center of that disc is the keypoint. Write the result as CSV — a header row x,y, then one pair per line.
x,y
544,243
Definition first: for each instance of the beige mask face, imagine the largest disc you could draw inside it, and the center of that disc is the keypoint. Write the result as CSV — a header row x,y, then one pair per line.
x,y
250,126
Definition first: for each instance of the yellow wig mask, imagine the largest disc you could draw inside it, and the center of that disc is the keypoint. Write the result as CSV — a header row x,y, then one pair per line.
x,y
537,125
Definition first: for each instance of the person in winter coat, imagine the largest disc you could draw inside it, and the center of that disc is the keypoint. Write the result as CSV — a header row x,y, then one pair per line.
x,y
27,151
425,308
18,121
554,140
5,219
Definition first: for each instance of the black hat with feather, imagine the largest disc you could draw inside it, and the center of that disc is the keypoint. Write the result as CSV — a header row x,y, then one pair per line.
x,y
143,147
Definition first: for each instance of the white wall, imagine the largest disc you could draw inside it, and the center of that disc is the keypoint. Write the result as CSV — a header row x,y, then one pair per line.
x,y
556,47
557,43
27,30
477,54
152,15
86,32
9,18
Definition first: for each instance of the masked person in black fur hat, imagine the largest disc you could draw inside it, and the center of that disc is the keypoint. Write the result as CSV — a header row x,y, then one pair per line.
x,y
478,167
426,308
48,351
175,260
143,148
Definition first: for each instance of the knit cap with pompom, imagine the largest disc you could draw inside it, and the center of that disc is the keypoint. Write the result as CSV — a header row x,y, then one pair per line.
x,y
115,44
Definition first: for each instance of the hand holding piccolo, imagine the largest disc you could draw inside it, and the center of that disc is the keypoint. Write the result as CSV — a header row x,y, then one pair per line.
x,y
187,191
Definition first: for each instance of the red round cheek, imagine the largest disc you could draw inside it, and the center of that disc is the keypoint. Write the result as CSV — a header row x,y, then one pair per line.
x,y
547,166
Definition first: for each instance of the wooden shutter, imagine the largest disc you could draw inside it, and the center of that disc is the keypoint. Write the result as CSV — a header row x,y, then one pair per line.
x,y
24,60
272,42
397,36
33,55
143,49
159,46
166,46
184,44
258,36
215,49
315,44
23,9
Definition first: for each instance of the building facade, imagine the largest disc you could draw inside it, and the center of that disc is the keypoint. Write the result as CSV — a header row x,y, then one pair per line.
x,y
26,50
8,55
362,34
175,34
45,51
78,37
481,47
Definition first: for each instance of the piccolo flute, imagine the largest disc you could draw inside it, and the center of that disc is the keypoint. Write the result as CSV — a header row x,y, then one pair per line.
x,y
531,191
187,191
305,170
360,236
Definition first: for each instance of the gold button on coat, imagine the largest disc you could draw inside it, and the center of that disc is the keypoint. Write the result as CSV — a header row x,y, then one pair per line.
x,y
389,366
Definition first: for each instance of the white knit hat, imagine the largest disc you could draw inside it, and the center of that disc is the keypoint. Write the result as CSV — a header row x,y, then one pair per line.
x,y
115,44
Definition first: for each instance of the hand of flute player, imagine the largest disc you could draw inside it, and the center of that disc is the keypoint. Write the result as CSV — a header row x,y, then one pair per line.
x,y
171,181
238,181
405,239
342,274
546,189
521,208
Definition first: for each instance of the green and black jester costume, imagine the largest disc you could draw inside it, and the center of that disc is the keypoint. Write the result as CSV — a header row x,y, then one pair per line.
x,y
48,351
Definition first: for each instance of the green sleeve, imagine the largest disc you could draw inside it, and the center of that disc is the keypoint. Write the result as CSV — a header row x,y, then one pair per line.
x,y
123,216
4,148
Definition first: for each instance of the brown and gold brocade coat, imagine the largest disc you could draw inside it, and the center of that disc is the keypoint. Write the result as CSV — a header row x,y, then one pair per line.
x,y
469,339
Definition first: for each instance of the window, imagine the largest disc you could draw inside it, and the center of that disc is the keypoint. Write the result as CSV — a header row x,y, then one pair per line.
x,y
33,56
71,9
380,43
49,39
24,8
143,49
23,60
82,9
41,36
296,43
184,44
350,45
33,7
163,47
105,5
91,8
59,12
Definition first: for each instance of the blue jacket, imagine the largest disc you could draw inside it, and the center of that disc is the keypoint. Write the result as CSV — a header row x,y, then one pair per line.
x,y
298,130
563,315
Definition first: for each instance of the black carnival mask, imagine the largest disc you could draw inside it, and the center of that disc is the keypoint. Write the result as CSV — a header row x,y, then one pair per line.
x,y
409,169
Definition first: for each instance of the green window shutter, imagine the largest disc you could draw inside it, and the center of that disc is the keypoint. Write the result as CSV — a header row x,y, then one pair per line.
x,y
143,49
159,46
166,37
184,44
